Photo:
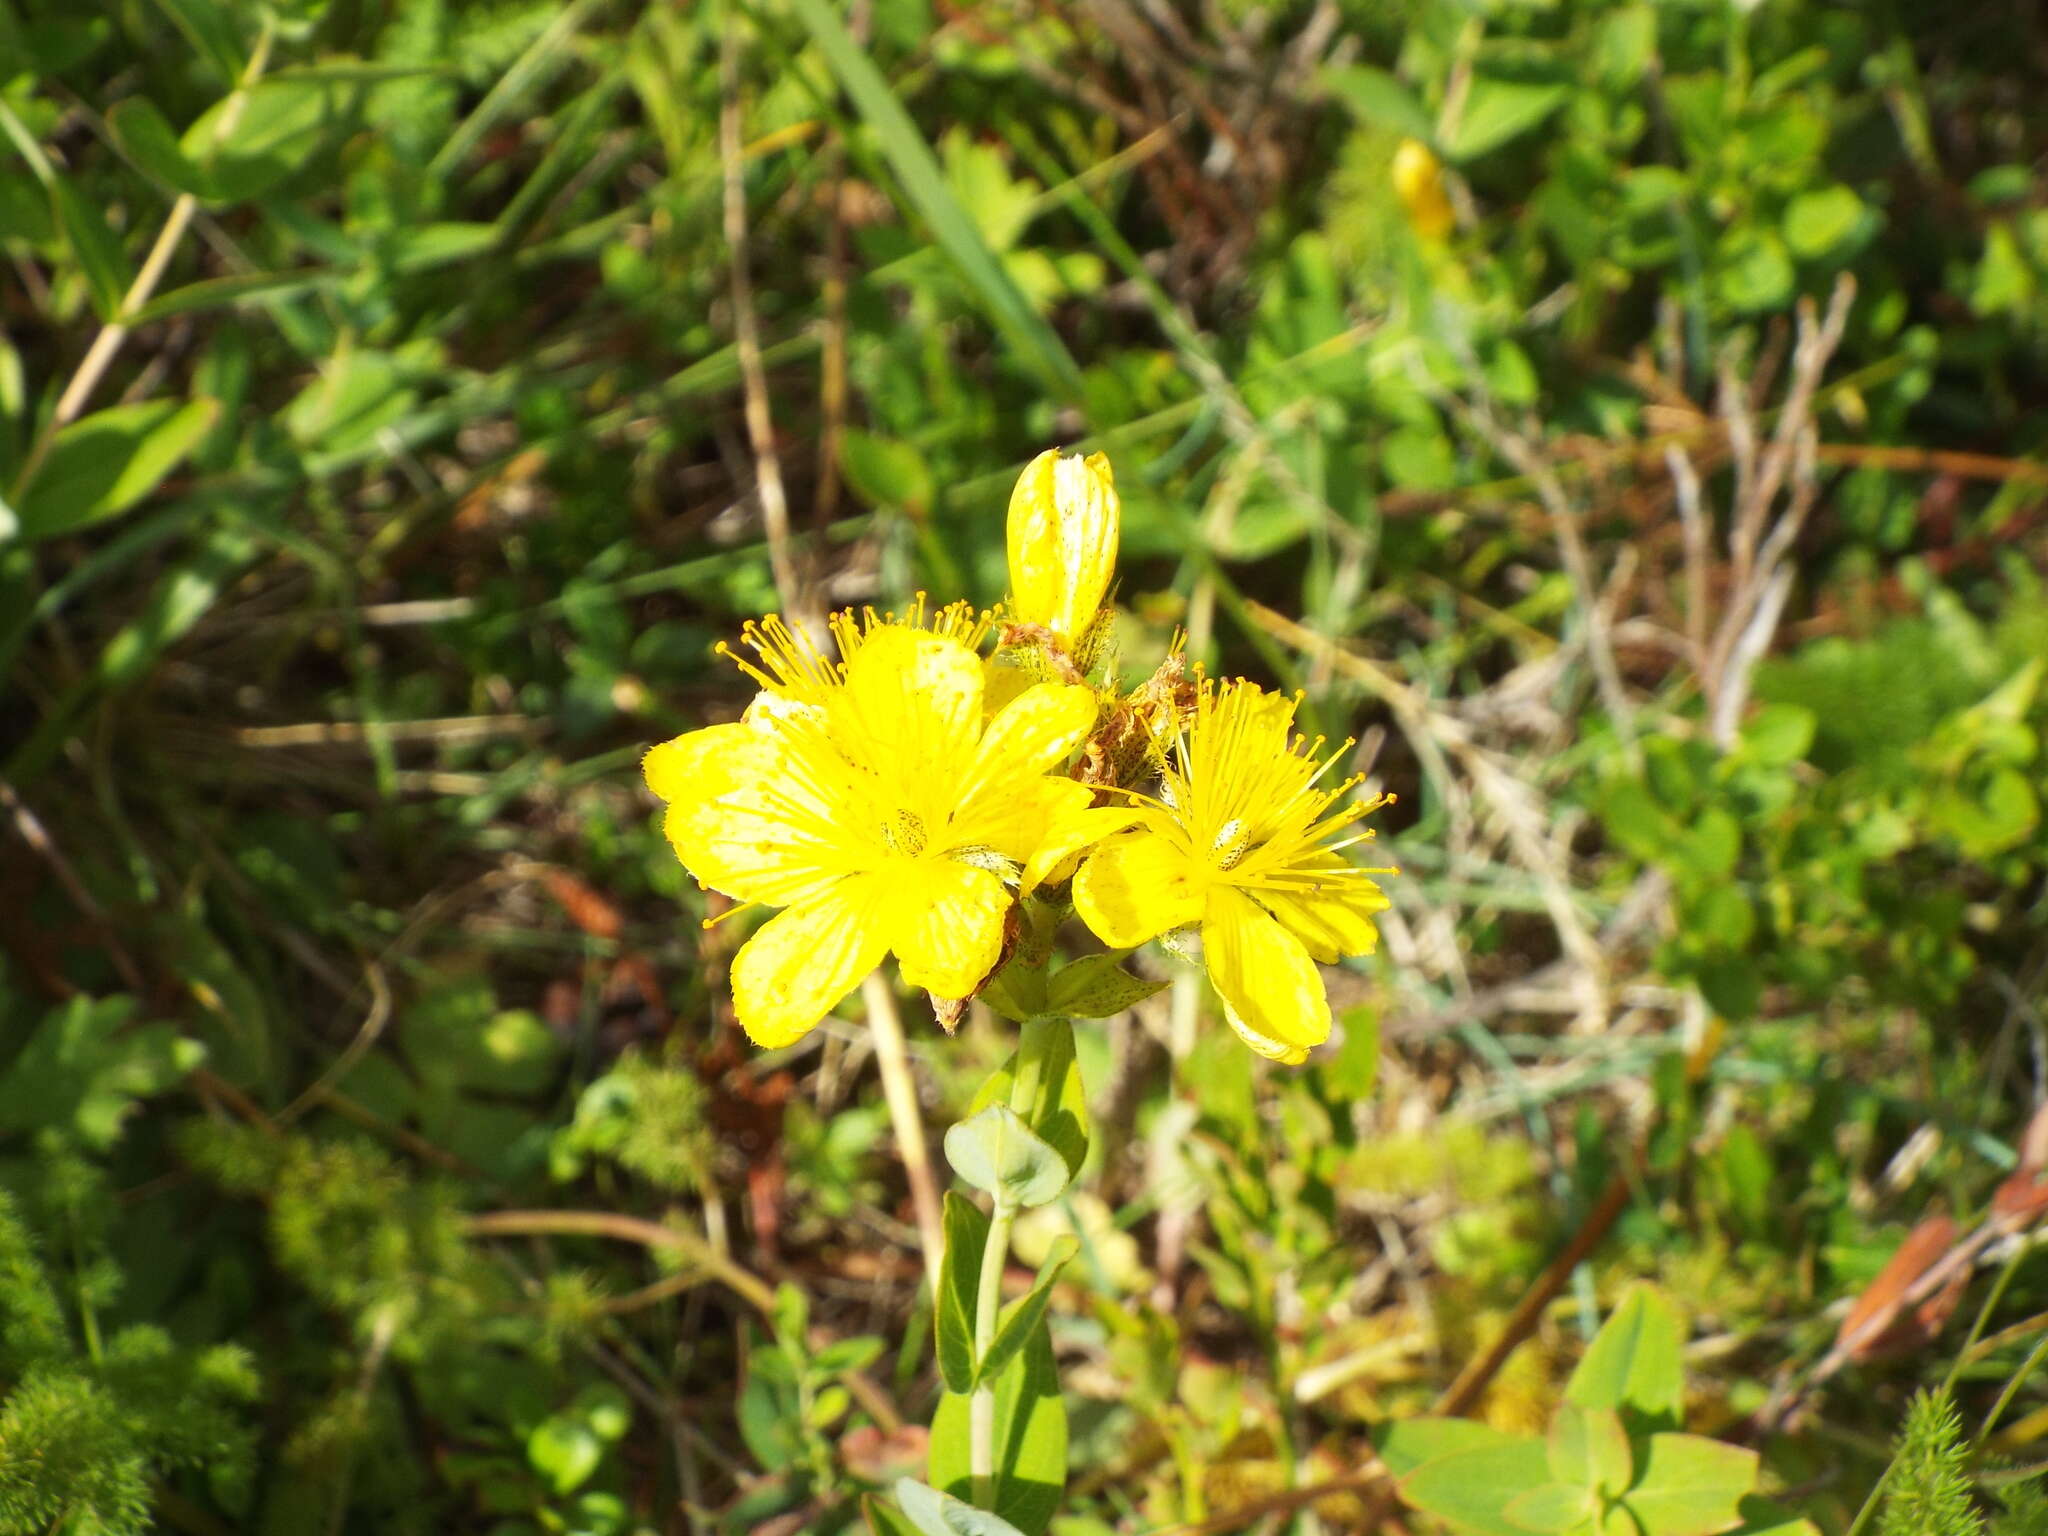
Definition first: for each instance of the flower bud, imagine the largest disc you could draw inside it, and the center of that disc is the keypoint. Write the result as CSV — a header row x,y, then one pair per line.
x,y
1064,518
1419,183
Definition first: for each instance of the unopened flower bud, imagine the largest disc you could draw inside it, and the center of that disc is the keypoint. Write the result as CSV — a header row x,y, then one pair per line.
x,y
1419,183
1064,519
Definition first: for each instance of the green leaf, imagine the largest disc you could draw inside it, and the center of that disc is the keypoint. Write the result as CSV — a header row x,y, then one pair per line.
x,y
1691,1486
95,246
1588,1448
1021,1319
1754,273
85,1068
1381,100
1779,734
253,138
1058,1112
1633,1363
959,1280
1824,222
1407,1444
997,1152
1031,1441
938,1514
1550,1508
884,1519
102,465
565,1451
150,141
1499,110
224,292
886,472
209,27
1095,987
917,168
1473,1488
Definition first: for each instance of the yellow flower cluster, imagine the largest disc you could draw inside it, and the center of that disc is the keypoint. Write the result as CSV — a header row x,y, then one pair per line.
x,y
907,796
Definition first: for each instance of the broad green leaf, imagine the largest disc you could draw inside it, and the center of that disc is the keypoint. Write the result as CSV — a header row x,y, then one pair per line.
x,y
85,1067
102,465
1588,1448
1552,1508
1058,1112
1779,734
1021,1319
1031,1441
939,1514
885,1519
1381,100
1633,1364
917,168
1472,1489
886,472
959,1280
1691,1486
153,145
1096,987
253,138
997,1152
106,270
1407,1444
1824,222
565,1451
1499,110
1753,272
1760,1517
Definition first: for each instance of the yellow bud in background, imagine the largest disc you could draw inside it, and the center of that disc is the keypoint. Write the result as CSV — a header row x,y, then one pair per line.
x,y
1419,183
1064,520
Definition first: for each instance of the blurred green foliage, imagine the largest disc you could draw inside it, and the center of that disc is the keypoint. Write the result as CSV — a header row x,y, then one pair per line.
x,y
375,483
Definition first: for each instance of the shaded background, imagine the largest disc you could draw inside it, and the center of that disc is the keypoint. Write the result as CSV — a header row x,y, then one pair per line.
x,y
387,443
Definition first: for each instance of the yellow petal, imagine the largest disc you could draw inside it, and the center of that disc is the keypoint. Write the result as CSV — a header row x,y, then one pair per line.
x,y
1017,823
1333,921
946,921
1136,888
1035,733
1070,835
725,821
1063,528
801,962
911,706
1265,975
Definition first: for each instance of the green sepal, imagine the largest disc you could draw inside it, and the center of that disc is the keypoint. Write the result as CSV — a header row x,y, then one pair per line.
x,y
1096,987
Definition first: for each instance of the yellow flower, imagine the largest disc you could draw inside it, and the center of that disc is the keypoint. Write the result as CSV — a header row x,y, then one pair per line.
x,y
1064,521
874,802
1419,183
1241,842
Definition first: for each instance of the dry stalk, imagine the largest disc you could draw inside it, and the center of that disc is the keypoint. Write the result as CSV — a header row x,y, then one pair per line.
x,y
747,341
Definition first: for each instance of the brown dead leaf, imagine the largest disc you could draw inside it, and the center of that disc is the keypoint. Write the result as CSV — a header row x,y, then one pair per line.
x,y
1874,1327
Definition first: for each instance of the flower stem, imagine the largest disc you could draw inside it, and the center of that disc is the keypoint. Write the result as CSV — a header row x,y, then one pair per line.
x,y
988,1303
1032,1046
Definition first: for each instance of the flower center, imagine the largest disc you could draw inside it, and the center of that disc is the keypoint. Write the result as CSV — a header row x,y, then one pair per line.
x,y
903,833
1231,844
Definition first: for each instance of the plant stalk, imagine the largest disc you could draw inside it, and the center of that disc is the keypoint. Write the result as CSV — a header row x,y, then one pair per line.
x,y
892,1059
988,1304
